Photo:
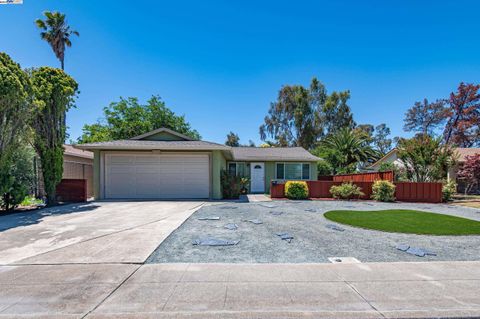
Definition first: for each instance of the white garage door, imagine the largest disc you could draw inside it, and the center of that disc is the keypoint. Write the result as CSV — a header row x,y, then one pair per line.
x,y
156,176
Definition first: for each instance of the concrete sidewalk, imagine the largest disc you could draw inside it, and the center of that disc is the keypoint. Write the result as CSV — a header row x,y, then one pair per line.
x,y
375,290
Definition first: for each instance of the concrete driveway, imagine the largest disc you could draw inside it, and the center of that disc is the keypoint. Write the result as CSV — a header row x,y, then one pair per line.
x,y
87,261
97,232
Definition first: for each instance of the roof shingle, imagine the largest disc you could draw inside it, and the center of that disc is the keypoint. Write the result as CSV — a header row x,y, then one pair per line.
x,y
272,154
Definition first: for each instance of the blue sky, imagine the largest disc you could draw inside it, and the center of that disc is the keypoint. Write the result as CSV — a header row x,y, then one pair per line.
x,y
221,63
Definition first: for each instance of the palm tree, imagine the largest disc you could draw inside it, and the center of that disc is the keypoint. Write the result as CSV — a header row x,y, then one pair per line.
x,y
350,148
56,32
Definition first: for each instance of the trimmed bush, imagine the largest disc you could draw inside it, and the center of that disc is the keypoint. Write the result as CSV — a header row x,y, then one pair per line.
x,y
347,190
448,189
383,191
296,190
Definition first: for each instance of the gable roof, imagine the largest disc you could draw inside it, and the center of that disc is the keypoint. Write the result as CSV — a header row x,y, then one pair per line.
x,y
393,150
145,142
154,145
162,130
272,154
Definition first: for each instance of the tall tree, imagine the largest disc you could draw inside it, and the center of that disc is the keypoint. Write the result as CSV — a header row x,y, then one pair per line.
x,y
301,116
232,140
381,140
425,117
128,118
15,102
15,112
291,119
57,32
425,159
337,114
54,93
463,126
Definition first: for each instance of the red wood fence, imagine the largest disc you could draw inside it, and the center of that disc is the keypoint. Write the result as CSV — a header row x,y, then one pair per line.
x,y
405,191
419,192
72,190
365,177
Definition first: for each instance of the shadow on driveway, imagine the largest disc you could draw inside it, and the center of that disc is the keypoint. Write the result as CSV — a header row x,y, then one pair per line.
x,y
34,217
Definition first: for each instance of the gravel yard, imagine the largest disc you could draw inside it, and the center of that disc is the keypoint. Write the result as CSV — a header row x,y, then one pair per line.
x,y
313,241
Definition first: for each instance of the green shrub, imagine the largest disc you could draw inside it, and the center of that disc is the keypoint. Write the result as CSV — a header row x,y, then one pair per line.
x,y
296,190
231,185
383,191
16,176
448,189
347,190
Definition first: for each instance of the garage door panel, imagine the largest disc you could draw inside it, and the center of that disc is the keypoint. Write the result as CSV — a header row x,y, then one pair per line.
x,y
157,176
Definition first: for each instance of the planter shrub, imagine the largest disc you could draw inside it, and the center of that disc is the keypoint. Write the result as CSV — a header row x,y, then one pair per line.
x,y
347,190
296,190
448,189
383,191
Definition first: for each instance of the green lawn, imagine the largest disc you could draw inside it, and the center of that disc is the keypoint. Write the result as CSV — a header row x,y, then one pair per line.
x,y
406,221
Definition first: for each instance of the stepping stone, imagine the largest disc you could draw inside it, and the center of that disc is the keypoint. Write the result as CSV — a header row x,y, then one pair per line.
x,y
209,218
311,210
420,252
335,227
402,247
210,241
228,207
231,226
254,221
276,213
285,236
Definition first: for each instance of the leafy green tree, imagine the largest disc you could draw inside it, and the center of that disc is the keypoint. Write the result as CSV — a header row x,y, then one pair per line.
x,y
15,102
380,139
232,140
336,114
291,120
128,118
15,112
300,116
425,159
57,33
16,175
345,150
54,93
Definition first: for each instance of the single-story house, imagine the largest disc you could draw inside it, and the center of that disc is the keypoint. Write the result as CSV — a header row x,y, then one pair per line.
x,y
163,164
392,157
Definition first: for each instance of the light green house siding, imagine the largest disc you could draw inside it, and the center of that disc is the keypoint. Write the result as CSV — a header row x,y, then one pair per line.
x,y
244,170
218,164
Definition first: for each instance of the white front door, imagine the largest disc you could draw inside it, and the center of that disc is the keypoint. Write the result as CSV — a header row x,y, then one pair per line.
x,y
257,175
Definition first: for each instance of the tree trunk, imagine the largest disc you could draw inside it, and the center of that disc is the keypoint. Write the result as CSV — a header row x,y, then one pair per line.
x,y
63,64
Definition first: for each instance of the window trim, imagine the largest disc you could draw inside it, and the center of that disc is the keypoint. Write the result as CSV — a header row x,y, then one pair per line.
x,y
300,163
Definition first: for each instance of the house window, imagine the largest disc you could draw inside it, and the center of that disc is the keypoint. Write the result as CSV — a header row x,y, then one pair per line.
x,y
293,171
232,169
237,169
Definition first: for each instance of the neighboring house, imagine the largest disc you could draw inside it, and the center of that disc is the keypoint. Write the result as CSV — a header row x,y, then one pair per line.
x,y
392,157
163,164
77,164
